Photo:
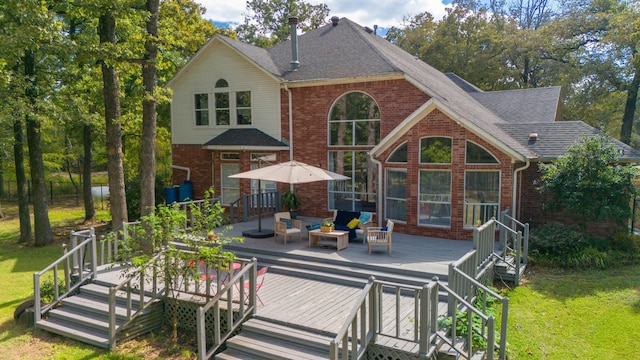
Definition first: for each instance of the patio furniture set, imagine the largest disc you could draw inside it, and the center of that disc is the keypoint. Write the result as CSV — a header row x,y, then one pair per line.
x,y
347,225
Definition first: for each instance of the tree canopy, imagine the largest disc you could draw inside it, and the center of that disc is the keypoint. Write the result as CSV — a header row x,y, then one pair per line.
x,y
589,183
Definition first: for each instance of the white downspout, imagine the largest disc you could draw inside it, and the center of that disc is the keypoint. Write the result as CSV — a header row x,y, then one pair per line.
x,y
188,170
286,88
516,186
379,192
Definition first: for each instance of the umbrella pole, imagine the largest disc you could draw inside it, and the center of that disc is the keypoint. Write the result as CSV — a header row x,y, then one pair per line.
x,y
259,206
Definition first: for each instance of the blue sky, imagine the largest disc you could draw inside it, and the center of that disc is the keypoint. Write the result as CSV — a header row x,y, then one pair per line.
x,y
384,13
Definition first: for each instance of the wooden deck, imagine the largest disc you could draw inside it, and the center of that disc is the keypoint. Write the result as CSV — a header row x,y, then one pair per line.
x,y
410,252
323,306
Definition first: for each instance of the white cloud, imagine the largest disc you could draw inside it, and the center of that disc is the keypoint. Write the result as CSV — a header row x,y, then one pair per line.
x,y
384,13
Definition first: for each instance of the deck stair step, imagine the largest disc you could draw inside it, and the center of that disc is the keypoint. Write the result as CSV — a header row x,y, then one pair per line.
x,y
84,317
261,339
348,273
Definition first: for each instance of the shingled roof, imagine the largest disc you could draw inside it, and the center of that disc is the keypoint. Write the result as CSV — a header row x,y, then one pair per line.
x,y
244,138
552,140
347,52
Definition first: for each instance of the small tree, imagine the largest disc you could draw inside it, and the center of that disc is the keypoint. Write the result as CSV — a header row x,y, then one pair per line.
x,y
203,244
590,183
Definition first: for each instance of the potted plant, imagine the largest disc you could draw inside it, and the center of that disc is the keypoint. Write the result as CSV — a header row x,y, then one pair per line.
x,y
291,201
327,226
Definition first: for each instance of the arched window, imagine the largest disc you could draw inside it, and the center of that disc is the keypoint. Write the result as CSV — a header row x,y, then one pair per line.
x,y
354,122
221,100
399,155
476,154
435,150
222,83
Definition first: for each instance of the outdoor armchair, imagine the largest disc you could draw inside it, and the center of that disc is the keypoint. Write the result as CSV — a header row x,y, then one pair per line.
x,y
380,236
286,226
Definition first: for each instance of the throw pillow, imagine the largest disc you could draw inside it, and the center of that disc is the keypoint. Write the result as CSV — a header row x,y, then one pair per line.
x,y
364,217
353,223
313,227
384,228
288,222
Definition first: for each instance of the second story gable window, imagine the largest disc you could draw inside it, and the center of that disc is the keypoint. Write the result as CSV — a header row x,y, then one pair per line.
x,y
202,109
224,107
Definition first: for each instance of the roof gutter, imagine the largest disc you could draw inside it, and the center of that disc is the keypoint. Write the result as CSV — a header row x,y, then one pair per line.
x,y
517,188
379,192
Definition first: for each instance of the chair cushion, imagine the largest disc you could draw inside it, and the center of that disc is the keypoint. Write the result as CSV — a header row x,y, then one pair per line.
x,y
343,217
365,217
384,228
353,223
288,222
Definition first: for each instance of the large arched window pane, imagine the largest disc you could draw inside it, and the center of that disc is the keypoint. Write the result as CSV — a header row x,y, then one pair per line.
x,y
399,155
435,150
476,154
354,120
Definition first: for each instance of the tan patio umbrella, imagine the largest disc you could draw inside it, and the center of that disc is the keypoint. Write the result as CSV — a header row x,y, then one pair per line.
x,y
290,172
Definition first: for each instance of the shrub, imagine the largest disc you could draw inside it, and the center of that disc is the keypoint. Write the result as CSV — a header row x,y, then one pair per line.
x,y
564,246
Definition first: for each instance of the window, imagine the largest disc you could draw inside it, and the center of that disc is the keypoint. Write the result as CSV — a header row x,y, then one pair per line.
x,y
396,195
230,156
222,108
435,150
481,196
230,186
354,120
202,109
243,107
434,199
357,193
476,154
399,155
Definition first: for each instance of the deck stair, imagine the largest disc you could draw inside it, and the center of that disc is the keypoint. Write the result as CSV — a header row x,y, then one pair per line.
x,y
266,340
85,316
506,269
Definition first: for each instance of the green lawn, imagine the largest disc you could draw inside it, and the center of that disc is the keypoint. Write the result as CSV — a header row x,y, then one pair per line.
x,y
577,315
554,315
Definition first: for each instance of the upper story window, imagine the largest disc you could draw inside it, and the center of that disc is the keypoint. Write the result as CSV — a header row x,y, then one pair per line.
x,y
202,109
435,150
354,120
476,154
228,107
399,155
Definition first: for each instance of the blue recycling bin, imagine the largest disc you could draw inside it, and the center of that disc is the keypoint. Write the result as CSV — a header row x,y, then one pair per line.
x,y
185,191
171,194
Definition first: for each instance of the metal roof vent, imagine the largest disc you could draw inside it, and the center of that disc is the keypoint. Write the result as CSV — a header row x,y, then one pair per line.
x,y
335,20
533,136
368,30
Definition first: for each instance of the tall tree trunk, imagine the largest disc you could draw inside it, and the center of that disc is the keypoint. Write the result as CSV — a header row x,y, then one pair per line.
x,y
42,226
630,108
147,148
115,167
87,160
2,173
21,182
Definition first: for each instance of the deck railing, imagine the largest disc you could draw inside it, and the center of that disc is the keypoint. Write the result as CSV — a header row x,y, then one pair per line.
x,y
514,242
486,329
78,265
245,303
466,278
135,282
251,205
185,206
365,322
